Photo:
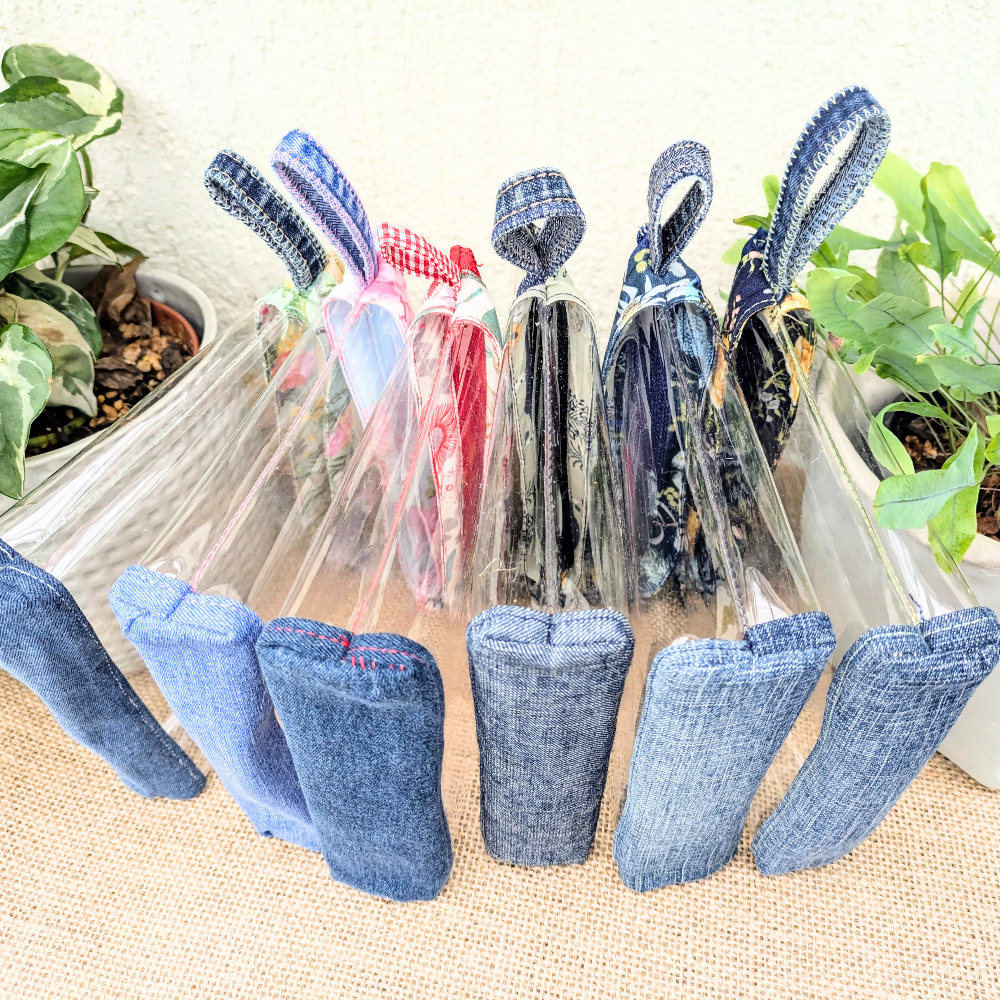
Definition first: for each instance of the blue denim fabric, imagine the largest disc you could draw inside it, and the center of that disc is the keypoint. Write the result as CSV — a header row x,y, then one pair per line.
x,y
546,690
803,218
364,717
200,651
683,161
715,714
237,187
47,643
897,692
323,192
522,201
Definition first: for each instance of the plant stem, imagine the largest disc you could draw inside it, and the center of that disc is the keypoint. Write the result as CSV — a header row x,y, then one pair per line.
x,y
88,171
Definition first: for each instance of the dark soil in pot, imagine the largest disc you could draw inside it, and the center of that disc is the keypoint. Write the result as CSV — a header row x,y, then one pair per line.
x,y
144,342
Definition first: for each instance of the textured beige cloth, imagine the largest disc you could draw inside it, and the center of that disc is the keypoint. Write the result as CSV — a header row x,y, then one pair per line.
x,y
106,895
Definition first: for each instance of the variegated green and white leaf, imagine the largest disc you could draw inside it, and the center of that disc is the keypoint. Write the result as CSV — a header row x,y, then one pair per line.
x,y
32,284
25,371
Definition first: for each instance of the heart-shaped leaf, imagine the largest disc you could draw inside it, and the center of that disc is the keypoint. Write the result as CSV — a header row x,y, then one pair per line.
x,y
899,324
900,277
32,284
18,185
831,306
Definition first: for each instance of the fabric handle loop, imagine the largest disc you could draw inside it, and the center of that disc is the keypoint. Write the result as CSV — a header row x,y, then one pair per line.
x,y
526,199
412,254
801,222
683,161
313,178
238,187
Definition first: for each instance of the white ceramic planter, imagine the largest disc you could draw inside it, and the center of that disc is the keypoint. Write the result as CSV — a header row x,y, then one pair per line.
x,y
178,293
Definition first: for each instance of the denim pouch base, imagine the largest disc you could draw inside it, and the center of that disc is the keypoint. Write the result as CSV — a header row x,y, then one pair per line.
x,y
715,715
47,644
546,690
897,692
200,650
364,717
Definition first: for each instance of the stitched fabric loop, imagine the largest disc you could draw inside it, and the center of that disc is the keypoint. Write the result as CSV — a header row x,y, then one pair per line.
x,y
523,201
237,187
412,254
802,222
683,161
327,197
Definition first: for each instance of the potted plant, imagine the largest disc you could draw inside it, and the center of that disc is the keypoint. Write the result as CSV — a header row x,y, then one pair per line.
x,y
79,345
921,332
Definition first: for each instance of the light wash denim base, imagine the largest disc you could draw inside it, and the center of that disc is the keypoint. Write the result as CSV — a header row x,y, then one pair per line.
x,y
364,717
47,643
546,690
897,692
200,651
714,716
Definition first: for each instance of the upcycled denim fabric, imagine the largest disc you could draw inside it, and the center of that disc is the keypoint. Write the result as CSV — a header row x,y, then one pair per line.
x,y
683,161
897,692
325,194
47,643
761,294
523,201
237,187
364,717
546,690
200,650
714,716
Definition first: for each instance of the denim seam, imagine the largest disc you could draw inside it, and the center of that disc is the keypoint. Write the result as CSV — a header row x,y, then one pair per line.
x,y
529,205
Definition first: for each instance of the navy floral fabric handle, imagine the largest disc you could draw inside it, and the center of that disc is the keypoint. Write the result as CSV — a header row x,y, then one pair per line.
x,y
683,161
238,187
313,178
525,199
802,222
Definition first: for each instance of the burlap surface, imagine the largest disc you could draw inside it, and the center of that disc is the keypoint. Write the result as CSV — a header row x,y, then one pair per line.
x,y
107,895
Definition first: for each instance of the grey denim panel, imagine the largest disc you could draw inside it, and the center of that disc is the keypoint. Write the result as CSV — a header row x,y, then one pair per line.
x,y
683,161
364,718
897,692
546,690
47,643
714,716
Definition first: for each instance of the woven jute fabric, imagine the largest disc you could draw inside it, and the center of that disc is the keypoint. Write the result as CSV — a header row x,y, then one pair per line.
x,y
107,895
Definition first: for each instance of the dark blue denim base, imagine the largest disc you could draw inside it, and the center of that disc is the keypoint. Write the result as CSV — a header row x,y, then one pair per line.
x,y
364,717
714,716
546,691
47,643
200,651
897,692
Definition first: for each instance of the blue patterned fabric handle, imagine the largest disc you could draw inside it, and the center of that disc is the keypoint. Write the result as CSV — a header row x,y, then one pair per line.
x,y
238,187
530,197
323,192
802,222
683,161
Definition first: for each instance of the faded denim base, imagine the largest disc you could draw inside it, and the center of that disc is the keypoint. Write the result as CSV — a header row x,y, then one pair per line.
x,y
200,651
546,690
897,692
47,643
715,714
364,717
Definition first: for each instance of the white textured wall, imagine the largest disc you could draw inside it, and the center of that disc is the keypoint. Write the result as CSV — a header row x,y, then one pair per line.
x,y
429,104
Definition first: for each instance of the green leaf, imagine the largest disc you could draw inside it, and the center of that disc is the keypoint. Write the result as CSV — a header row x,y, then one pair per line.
x,y
900,277
905,371
955,340
993,424
25,370
942,259
957,373
867,288
899,323
88,85
52,113
948,187
754,221
123,249
910,501
72,362
970,314
992,453
57,203
886,447
857,241
772,188
826,289
32,86
954,529
32,284
88,241
18,185
731,256
825,256
864,362
896,178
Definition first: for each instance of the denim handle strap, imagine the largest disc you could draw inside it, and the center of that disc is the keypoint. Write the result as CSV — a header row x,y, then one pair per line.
x,y
683,161
530,197
802,222
319,186
238,187
412,254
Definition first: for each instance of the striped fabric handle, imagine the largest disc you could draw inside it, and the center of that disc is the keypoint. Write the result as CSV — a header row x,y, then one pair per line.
x,y
325,194
412,254
683,161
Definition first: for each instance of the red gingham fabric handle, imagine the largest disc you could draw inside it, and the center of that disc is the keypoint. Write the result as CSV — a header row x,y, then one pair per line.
x,y
412,254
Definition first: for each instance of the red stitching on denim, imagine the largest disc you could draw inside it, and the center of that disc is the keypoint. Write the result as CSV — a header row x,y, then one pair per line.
x,y
344,641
